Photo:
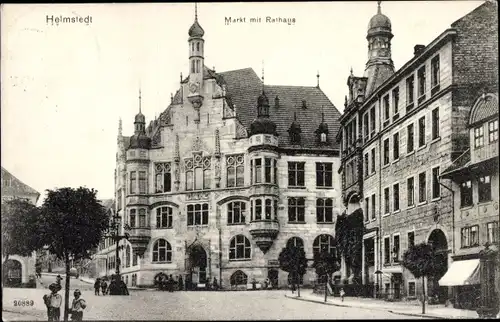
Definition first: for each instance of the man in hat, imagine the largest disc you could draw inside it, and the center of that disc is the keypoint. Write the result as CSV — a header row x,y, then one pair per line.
x,y
77,306
53,302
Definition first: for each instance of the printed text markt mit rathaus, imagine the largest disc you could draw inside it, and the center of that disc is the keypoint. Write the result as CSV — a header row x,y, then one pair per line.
x,y
267,19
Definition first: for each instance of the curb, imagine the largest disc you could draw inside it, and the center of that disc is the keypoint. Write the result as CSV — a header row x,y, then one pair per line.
x,y
431,316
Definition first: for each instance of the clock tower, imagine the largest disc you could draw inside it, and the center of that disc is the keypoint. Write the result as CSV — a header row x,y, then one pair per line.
x,y
196,62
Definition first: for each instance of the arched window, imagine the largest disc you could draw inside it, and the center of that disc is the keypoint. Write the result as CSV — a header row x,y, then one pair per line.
x,y
324,242
192,64
192,46
236,212
258,209
323,137
162,251
295,242
164,217
239,278
127,256
134,258
324,210
197,46
239,248
235,168
269,209
132,218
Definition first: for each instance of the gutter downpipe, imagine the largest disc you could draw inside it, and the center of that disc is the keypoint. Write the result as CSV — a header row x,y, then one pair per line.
x,y
379,235
452,215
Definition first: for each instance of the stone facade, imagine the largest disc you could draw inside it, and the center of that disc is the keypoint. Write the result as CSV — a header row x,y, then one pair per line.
x,y
433,117
13,188
179,180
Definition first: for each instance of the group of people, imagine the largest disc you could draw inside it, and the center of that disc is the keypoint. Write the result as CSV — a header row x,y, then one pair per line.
x,y
53,302
168,283
116,287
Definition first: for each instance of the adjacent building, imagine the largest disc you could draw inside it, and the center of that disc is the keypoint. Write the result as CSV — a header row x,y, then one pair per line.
x,y
399,132
18,270
228,175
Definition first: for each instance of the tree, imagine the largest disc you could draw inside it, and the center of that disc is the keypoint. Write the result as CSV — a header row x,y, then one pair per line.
x,y
293,260
325,264
422,261
20,229
73,224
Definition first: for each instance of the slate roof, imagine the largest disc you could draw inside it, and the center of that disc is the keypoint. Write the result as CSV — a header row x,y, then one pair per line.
x,y
461,162
17,187
244,87
484,108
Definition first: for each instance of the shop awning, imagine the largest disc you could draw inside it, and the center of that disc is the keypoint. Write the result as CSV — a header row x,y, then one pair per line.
x,y
464,272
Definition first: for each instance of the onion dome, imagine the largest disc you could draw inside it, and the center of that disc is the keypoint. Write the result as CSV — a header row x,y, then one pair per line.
x,y
140,141
379,22
196,30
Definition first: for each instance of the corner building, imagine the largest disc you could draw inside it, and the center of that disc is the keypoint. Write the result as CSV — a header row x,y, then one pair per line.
x,y
400,130
229,173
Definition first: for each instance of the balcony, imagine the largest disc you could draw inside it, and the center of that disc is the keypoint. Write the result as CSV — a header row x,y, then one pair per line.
x,y
264,232
269,189
139,238
485,152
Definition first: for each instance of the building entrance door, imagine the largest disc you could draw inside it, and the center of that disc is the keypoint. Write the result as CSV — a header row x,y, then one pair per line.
x,y
197,264
273,274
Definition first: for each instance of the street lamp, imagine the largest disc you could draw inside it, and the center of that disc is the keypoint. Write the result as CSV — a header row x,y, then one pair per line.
x,y
115,236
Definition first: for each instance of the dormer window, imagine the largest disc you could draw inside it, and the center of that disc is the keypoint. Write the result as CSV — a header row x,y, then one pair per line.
x,y
294,138
323,137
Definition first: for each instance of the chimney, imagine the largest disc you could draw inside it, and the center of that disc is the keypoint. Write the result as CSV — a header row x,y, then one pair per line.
x,y
418,49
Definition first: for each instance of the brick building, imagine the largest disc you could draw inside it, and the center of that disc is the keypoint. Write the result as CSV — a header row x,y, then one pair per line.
x,y
18,270
400,130
232,171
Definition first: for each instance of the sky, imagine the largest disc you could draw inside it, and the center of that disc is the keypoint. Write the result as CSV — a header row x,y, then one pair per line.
x,y
65,86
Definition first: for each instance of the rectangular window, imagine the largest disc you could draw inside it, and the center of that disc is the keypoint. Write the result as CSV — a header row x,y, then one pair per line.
x,y
133,182
142,218
470,236
409,138
411,239
395,249
268,167
410,90
387,250
395,191
296,209
386,201
258,170
197,214
492,232
478,137
373,206
296,174
395,146
395,103
493,130
387,110
422,187
421,82
411,193
324,173
366,165
465,194
366,128
386,151
436,188
421,131
132,220
324,210
412,289
142,182
367,209
435,123
484,188
372,121
373,160
435,71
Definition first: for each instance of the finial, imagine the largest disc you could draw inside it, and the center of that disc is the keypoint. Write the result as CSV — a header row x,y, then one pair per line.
x,y
345,101
181,77
352,72
196,11
213,69
379,10
262,76
322,114
171,98
317,76
139,99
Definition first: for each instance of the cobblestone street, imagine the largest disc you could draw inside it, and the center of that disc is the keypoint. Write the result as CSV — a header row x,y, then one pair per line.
x,y
154,305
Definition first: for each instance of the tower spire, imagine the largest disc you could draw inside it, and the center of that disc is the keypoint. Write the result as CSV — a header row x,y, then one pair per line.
x,y
262,76
140,99
196,11
322,114
317,77
379,10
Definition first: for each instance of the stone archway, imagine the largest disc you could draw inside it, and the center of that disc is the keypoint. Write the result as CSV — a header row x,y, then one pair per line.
x,y
197,264
13,273
438,240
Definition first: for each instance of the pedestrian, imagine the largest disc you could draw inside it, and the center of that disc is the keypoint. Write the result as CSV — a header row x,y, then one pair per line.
x,y
342,294
77,306
53,302
266,283
58,279
171,283
123,287
104,287
215,284
254,284
97,286
181,283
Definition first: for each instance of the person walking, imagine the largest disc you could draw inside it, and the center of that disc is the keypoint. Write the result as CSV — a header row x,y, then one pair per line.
x,y
123,287
77,306
215,284
97,286
181,283
171,283
104,287
58,279
53,302
342,294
